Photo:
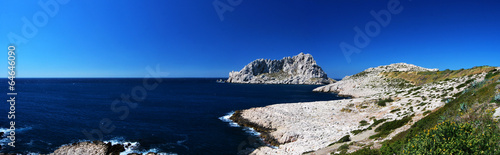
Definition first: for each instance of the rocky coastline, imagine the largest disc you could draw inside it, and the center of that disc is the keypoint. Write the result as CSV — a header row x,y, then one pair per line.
x,y
95,148
315,127
264,131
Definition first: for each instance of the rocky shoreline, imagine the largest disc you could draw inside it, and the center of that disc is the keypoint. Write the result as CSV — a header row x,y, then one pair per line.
x,y
264,131
314,127
95,148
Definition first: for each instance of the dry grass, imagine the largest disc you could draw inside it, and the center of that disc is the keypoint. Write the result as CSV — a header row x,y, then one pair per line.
x,y
420,78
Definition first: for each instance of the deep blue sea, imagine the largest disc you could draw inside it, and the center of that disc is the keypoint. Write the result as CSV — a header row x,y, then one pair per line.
x,y
180,116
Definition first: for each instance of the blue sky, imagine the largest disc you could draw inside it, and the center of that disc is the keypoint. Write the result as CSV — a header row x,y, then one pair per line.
x,y
188,38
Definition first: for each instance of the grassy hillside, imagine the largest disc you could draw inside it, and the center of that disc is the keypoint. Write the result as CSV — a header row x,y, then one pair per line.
x,y
420,78
462,126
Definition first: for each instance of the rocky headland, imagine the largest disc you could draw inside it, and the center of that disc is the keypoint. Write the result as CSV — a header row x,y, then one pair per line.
x,y
299,69
393,94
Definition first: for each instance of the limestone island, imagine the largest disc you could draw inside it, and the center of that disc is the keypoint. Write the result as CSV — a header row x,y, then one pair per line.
x,y
389,106
299,69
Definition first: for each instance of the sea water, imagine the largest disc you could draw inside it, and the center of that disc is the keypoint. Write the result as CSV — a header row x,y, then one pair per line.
x,y
179,116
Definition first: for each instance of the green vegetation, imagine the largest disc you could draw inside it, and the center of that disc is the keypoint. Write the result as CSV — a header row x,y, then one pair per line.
x,y
363,73
386,128
343,148
492,74
346,138
427,112
455,138
375,123
476,97
465,84
363,123
464,121
420,78
382,102
395,110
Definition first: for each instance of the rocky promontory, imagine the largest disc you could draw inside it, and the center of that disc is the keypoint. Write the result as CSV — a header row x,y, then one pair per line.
x,y
299,69
382,96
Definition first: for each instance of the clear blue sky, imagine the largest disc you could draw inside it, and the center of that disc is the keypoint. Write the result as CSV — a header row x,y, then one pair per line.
x,y
113,38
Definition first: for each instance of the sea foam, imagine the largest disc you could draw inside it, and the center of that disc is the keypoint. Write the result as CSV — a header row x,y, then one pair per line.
x,y
226,117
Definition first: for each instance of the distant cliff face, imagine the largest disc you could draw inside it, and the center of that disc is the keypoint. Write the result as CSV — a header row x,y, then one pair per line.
x,y
300,69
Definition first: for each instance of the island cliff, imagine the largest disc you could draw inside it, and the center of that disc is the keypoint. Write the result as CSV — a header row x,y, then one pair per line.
x,y
300,69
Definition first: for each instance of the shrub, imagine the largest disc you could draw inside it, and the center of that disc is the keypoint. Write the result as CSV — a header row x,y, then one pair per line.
x,y
465,84
382,102
491,74
346,138
375,123
455,138
363,123
427,112
395,110
386,128
463,107
344,147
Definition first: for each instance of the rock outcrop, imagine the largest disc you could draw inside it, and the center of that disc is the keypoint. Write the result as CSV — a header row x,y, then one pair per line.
x,y
369,81
300,69
97,148
93,148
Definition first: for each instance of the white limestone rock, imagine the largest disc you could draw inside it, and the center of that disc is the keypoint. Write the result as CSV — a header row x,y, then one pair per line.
x,y
369,81
300,69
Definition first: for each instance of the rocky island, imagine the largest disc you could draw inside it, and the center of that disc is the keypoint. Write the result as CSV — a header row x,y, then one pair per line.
x,y
387,102
299,69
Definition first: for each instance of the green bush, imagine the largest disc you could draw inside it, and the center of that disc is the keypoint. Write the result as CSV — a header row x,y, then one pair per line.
x,y
491,74
382,102
455,138
363,123
375,123
395,110
346,138
386,128
427,112
465,84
